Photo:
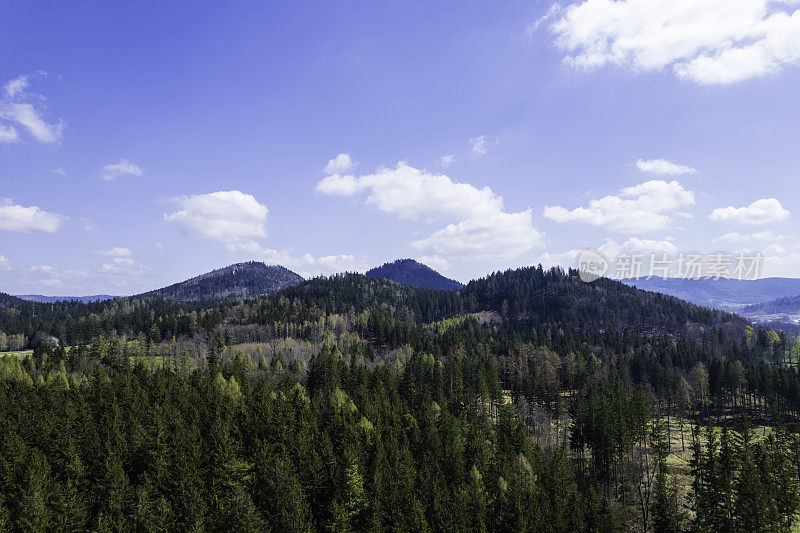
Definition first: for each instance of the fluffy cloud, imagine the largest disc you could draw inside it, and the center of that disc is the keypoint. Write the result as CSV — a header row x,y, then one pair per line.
x,y
123,265
447,160
645,207
478,228
413,194
15,86
480,145
4,264
764,211
611,250
705,41
123,167
499,236
435,262
117,251
339,164
8,134
306,264
22,110
663,167
231,217
50,276
342,263
781,261
25,219
741,238
237,220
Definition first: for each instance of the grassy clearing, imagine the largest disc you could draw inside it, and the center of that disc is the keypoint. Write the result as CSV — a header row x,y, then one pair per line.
x,y
21,354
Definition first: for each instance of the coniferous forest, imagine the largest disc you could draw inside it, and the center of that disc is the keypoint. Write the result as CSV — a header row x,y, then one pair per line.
x,y
525,401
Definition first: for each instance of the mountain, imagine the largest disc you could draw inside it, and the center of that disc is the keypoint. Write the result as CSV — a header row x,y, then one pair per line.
x,y
52,299
242,280
410,272
725,293
782,311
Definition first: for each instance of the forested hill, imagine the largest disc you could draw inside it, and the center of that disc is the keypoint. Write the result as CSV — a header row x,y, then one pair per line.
x,y
557,297
724,293
242,280
524,300
526,401
410,272
788,305
53,299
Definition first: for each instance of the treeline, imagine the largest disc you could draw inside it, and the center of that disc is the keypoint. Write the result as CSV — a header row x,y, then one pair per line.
x,y
379,308
347,448
527,400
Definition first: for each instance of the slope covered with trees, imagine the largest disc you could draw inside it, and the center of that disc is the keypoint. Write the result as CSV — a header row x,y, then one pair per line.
x,y
525,401
242,280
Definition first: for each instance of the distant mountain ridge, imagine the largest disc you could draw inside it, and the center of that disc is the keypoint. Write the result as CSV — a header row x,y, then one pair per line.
x,y
411,272
52,299
725,293
241,280
786,305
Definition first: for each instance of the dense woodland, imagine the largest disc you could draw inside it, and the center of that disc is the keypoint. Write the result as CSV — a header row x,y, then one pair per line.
x,y
525,401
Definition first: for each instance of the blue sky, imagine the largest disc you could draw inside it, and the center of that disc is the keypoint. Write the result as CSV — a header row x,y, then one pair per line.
x,y
142,143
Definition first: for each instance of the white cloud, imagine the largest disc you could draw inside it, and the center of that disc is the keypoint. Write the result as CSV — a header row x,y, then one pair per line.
x,y
230,217
611,250
8,134
478,227
24,219
60,171
435,262
123,265
741,238
123,167
28,116
23,110
642,208
4,264
705,41
412,194
647,246
663,167
480,145
53,271
447,160
764,211
88,224
342,263
15,86
236,220
117,251
52,282
339,185
252,250
339,164
554,10
498,236
780,262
